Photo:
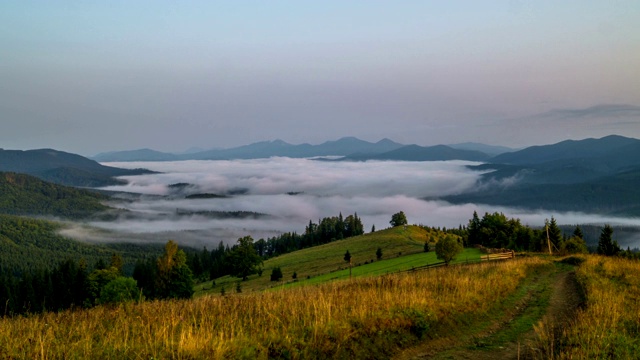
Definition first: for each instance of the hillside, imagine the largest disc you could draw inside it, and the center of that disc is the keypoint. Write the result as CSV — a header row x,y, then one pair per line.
x,y
30,244
328,258
27,195
591,175
62,167
531,307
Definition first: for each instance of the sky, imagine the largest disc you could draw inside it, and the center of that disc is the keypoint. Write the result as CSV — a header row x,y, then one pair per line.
x,y
95,76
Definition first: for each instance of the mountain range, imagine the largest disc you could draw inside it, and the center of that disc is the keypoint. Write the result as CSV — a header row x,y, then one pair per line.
x,y
591,175
350,148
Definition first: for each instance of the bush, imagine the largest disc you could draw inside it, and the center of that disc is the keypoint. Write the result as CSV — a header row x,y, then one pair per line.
x,y
122,289
276,274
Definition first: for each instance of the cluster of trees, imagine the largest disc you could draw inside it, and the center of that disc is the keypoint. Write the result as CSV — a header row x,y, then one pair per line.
x,y
223,260
497,231
72,283
168,276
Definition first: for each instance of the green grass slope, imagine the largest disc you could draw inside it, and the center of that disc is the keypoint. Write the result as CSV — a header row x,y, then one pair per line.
x,y
328,260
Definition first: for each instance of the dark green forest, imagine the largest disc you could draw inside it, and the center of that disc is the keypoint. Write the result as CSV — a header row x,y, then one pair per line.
x,y
28,195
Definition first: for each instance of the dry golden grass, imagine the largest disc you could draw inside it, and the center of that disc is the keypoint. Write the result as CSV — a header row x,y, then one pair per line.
x,y
609,325
364,318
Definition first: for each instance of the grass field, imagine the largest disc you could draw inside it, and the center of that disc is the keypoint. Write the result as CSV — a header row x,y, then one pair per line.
x,y
368,317
328,259
609,325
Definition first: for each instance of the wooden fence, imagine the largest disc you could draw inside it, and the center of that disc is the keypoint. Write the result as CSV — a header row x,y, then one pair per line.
x,y
498,256
486,257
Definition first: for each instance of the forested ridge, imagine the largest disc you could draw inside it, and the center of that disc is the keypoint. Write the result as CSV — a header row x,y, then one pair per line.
x,y
27,195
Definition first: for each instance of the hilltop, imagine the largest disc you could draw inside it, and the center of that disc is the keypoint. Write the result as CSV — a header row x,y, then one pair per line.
x,y
27,195
591,175
62,167
323,262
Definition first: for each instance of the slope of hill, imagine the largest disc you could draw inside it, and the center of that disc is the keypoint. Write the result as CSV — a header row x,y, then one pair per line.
x,y
27,195
592,175
62,167
327,258
605,149
28,244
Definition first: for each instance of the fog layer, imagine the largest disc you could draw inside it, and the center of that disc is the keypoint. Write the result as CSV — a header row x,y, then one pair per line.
x,y
287,193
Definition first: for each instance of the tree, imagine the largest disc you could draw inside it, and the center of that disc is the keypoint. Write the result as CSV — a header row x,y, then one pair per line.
x,y
474,229
555,234
606,245
398,219
427,248
448,248
294,276
243,258
173,277
379,253
373,228
347,257
276,274
121,289
577,232
117,262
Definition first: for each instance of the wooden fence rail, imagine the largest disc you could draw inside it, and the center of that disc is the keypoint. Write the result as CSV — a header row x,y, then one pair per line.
x,y
498,256
486,257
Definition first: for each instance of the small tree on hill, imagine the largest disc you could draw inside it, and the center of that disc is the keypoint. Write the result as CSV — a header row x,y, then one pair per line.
x,y
379,253
448,248
398,219
243,258
276,274
347,256
427,247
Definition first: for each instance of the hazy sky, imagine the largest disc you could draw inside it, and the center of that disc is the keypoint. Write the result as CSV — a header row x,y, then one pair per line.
x,y
95,76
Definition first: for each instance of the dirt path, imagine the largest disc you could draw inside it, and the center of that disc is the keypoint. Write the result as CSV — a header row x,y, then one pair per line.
x,y
554,297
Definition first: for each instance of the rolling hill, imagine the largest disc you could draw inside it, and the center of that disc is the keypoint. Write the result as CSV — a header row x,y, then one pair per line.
x,y
327,260
591,175
27,195
62,167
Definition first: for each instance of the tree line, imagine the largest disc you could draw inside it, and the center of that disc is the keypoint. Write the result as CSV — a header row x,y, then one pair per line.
x,y
224,260
497,231
72,284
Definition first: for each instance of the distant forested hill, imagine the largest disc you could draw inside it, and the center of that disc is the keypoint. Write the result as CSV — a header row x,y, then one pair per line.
x,y
591,175
62,167
27,244
22,194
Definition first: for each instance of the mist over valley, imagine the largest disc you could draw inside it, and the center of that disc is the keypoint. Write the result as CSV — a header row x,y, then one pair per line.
x,y
267,197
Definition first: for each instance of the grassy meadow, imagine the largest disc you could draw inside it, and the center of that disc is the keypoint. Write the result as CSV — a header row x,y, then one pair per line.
x,y
327,260
368,317
609,324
